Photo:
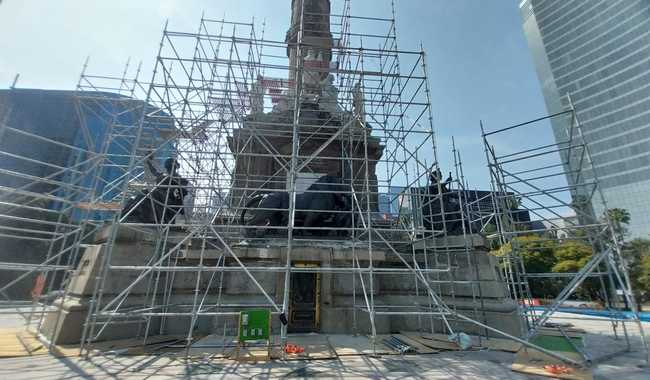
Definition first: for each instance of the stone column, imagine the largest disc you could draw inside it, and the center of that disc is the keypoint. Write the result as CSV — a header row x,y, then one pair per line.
x,y
317,41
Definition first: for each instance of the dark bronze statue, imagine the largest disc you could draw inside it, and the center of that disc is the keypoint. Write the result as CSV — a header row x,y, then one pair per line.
x,y
162,204
326,204
441,207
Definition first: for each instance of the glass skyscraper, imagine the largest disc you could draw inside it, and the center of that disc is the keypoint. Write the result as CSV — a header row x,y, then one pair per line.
x,y
598,52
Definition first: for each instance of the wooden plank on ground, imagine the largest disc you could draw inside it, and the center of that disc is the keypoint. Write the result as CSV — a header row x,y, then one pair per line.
x,y
434,341
131,346
18,343
532,362
498,344
30,341
441,342
416,344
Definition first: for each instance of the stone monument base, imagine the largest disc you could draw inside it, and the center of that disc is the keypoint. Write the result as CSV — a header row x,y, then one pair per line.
x,y
331,295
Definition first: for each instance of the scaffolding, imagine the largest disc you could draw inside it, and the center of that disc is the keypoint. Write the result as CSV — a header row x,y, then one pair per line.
x,y
50,208
557,184
225,94
241,125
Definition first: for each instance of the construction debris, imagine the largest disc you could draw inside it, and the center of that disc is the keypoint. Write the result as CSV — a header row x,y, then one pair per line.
x,y
463,340
398,345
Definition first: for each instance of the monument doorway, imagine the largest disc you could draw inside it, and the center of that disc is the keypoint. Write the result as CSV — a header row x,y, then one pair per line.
x,y
304,296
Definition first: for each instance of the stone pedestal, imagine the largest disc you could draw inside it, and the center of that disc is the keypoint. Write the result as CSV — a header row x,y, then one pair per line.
x,y
67,327
486,299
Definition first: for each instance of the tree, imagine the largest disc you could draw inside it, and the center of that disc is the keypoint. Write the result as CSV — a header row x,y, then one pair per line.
x,y
620,218
542,255
642,281
637,256
571,257
538,256
536,253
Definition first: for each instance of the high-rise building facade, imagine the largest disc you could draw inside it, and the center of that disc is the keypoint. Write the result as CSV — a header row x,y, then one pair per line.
x,y
598,52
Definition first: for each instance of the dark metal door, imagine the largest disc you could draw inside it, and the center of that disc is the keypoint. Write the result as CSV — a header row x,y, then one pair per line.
x,y
304,302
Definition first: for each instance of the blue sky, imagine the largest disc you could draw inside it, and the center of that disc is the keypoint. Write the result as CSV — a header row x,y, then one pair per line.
x,y
478,61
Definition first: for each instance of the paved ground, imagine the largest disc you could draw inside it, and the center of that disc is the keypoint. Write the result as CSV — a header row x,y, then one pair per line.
x,y
445,365
441,366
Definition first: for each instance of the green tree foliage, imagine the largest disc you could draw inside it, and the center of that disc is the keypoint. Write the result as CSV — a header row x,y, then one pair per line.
x,y
538,256
620,219
643,279
637,255
536,253
571,256
619,215
541,254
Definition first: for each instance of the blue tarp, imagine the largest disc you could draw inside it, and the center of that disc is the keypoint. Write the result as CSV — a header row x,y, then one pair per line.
x,y
80,121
